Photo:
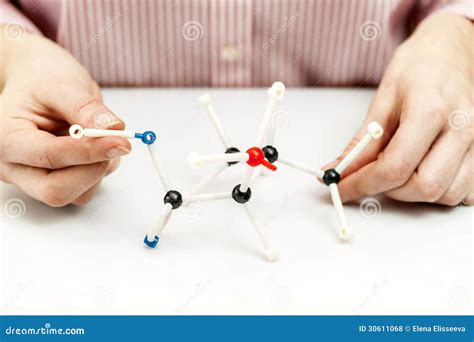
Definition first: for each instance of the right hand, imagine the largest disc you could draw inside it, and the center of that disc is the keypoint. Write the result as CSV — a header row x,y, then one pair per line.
x,y
45,90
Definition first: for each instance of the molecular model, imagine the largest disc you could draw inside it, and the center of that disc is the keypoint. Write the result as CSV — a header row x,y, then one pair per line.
x,y
261,156
242,193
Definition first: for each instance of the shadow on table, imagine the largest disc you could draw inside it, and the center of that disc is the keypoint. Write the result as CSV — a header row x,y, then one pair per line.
x,y
15,204
410,209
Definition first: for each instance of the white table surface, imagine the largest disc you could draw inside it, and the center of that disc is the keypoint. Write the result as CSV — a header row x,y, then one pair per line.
x,y
409,259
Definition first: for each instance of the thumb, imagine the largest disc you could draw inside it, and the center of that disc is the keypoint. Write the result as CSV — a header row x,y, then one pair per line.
x,y
78,106
382,110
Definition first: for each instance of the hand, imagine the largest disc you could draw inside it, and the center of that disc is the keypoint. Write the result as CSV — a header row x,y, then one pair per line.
x,y
425,105
45,91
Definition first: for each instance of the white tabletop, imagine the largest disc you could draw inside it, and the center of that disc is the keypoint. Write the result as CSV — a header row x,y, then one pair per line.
x,y
407,259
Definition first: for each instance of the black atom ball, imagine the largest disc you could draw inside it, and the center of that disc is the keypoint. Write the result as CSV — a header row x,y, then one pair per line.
x,y
239,196
331,176
174,198
271,153
232,150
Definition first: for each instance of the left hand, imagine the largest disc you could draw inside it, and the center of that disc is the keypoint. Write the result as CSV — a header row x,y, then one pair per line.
x,y
425,105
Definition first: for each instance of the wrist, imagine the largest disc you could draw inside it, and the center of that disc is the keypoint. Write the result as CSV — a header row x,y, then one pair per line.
x,y
453,26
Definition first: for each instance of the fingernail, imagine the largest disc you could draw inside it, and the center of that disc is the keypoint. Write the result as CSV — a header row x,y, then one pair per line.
x,y
104,120
117,152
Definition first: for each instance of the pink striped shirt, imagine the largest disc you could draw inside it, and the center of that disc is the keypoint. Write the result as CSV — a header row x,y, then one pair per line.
x,y
229,43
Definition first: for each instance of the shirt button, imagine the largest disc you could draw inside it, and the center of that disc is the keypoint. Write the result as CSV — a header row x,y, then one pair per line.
x,y
229,53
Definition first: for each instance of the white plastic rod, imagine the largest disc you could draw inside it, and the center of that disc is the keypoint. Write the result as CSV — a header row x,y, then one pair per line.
x,y
207,197
271,133
159,223
345,232
375,131
275,93
270,251
301,167
77,132
196,160
206,101
204,181
153,149
248,178
259,171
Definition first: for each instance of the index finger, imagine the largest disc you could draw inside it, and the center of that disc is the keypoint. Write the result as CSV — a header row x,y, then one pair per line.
x,y
38,148
400,158
76,105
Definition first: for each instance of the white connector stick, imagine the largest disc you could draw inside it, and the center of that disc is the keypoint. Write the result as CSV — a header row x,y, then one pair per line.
x,y
207,197
206,101
159,223
259,171
153,149
271,132
77,132
345,233
270,251
208,178
248,178
302,167
196,159
375,131
275,93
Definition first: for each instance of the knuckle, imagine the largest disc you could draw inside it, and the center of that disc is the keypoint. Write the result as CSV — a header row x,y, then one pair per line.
x,y
452,198
49,160
54,194
429,189
396,172
85,101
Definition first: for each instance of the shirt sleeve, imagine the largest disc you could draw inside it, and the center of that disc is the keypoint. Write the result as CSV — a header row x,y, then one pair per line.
x,y
18,22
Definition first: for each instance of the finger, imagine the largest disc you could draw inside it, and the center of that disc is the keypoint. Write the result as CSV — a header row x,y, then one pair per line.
x,y
436,172
78,106
383,110
87,196
57,188
96,91
461,190
30,146
113,165
418,128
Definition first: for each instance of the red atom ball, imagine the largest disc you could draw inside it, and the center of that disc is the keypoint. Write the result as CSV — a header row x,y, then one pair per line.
x,y
257,157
